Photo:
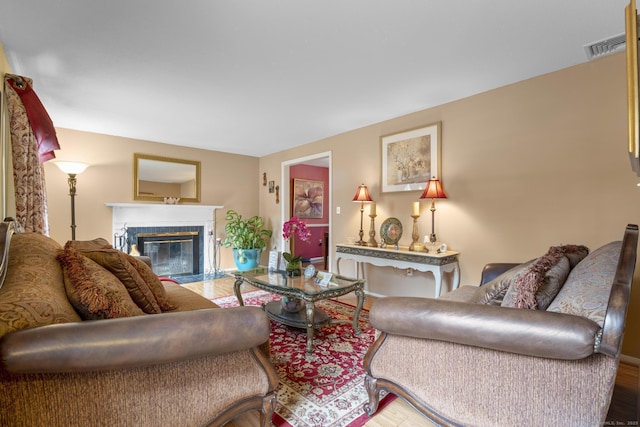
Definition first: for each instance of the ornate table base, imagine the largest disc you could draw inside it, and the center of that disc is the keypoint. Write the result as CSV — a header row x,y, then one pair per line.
x,y
310,317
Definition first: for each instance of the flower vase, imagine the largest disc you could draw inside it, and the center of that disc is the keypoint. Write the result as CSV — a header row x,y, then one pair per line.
x,y
292,304
294,268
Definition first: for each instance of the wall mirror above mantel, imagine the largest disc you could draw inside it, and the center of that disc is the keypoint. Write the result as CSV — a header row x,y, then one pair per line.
x,y
156,178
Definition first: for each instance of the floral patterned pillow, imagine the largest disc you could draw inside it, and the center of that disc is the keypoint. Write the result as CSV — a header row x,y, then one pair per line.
x,y
587,289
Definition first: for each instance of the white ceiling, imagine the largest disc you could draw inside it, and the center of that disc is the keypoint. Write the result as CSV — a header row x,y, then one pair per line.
x,y
259,76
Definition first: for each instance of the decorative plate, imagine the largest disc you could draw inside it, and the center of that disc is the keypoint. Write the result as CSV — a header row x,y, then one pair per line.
x,y
391,231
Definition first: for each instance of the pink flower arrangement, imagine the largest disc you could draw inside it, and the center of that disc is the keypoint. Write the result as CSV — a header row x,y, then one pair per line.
x,y
295,226
291,228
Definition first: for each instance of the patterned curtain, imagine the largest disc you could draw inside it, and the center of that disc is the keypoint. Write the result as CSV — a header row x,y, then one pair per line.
x,y
32,142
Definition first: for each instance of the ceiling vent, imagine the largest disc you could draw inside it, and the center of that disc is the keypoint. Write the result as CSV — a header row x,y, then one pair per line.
x,y
605,47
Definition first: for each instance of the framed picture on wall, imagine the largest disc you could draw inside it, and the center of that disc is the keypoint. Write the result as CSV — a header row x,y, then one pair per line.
x,y
410,158
308,198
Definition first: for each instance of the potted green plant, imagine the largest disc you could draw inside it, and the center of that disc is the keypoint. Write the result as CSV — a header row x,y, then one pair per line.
x,y
247,237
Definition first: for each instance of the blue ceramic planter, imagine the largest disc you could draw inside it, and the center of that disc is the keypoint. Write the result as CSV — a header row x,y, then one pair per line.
x,y
246,259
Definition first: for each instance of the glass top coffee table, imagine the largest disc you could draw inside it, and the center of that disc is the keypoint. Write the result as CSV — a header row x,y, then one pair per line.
x,y
308,290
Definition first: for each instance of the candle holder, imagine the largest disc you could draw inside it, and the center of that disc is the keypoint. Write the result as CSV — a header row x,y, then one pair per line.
x,y
415,246
372,232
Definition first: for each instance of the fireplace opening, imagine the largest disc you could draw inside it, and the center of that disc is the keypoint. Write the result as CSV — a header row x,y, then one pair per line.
x,y
171,253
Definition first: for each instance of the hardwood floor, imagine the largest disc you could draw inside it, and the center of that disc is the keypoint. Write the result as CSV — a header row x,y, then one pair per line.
x,y
623,411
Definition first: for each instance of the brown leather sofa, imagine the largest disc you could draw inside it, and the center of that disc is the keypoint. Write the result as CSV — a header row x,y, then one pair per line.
x,y
195,365
466,359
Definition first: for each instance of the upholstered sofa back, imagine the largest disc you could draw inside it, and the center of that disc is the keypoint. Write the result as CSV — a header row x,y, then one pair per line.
x,y
33,291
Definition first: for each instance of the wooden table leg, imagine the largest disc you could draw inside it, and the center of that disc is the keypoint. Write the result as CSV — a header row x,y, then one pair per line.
x,y
236,289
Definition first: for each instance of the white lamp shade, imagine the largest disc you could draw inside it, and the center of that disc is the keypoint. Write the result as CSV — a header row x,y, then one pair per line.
x,y
72,168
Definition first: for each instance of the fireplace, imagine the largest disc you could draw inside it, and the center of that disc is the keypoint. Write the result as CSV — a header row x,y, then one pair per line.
x,y
134,218
174,251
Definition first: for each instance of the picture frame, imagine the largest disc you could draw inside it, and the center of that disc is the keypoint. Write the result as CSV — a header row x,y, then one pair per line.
x,y
308,198
272,186
410,158
633,105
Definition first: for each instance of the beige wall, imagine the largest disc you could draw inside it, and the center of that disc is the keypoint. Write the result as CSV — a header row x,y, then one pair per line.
x,y
229,180
538,163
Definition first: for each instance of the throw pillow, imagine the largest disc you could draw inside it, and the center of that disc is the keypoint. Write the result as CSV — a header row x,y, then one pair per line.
x,y
117,263
90,245
93,291
523,292
153,282
575,253
493,292
587,290
536,289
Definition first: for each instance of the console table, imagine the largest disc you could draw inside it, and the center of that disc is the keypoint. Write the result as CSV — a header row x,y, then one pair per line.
x,y
437,264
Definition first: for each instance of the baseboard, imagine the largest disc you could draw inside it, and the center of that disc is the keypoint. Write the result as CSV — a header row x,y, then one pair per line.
x,y
630,360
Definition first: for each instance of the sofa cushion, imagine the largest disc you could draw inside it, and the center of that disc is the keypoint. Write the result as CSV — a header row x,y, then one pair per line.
x,y
494,291
185,298
534,289
94,292
141,264
118,264
153,282
575,253
540,283
89,245
586,291
33,291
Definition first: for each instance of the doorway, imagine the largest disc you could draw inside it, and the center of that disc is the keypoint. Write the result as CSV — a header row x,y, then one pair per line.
x,y
319,160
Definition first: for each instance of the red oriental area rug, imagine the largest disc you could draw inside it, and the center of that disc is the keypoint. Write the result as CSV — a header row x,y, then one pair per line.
x,y
326,388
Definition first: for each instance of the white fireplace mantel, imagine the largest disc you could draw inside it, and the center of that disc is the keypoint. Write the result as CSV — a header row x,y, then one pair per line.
x,y
126,215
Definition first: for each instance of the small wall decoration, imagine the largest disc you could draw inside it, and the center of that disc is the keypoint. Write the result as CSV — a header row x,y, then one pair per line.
x,y
272,186
277,194
308,197
264,179
410,158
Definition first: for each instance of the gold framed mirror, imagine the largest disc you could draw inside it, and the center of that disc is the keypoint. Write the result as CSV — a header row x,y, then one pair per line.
x,y
156,178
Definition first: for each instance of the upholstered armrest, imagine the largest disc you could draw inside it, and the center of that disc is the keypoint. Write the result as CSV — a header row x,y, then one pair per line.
x,y
528,332
133,341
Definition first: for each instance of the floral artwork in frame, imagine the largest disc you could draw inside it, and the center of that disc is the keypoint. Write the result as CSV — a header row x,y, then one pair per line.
x,y
410,158
308,197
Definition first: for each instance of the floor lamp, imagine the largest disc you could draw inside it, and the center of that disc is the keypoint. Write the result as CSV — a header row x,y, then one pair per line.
x,y
362,196
433,191
72,169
